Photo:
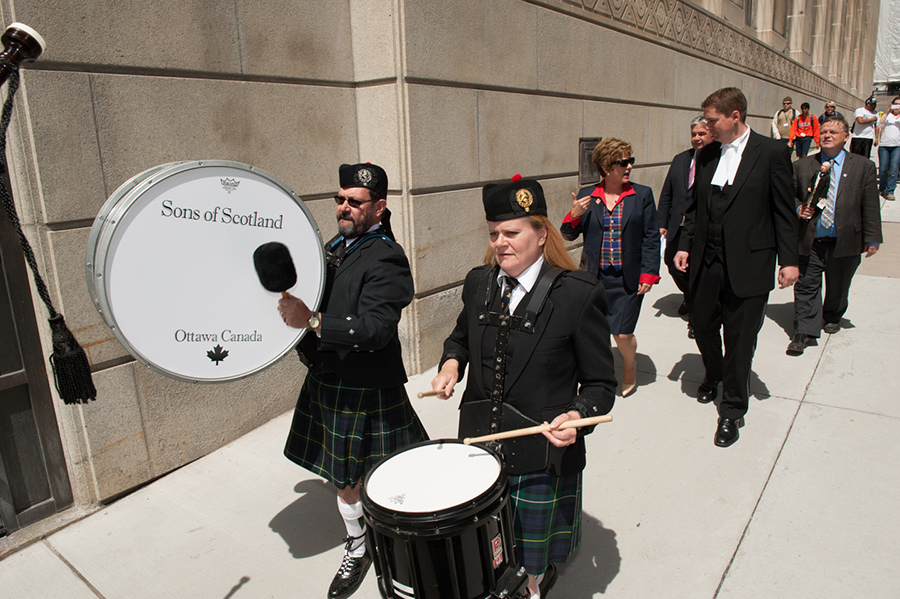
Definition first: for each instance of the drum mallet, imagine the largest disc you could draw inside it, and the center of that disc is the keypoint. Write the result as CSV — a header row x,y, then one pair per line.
x,y
536,430
422,394
275,267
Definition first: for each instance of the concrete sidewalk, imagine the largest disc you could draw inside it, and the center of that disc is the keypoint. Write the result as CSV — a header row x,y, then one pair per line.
x,y
805,506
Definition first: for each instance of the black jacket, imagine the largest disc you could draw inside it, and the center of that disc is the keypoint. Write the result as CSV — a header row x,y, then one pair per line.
x,y
565,364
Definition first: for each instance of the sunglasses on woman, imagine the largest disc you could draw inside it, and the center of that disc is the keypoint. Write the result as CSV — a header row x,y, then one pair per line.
x,y
624,162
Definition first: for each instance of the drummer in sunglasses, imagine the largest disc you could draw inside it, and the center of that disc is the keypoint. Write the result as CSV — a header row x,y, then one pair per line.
x,y
353,409
533,330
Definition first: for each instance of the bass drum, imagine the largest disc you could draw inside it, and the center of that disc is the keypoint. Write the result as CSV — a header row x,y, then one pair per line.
x,y
169,267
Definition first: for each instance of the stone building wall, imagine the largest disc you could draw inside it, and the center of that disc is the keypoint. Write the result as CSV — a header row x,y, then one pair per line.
x,y
447,96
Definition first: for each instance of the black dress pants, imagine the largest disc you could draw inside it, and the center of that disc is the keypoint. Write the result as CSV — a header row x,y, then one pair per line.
x,y
682,279
810,311
716,308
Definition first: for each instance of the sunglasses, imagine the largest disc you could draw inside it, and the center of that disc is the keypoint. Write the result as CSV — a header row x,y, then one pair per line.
x,y
623,163
352,202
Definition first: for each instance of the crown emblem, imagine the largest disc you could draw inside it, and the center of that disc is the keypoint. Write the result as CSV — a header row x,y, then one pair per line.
x,y
524,199
229,185
364,176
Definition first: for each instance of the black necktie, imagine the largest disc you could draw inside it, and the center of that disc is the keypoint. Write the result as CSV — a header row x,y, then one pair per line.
x,y
511,284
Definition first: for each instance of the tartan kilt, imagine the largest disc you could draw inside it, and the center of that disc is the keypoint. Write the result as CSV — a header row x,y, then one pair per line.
x,y
340,431
547,518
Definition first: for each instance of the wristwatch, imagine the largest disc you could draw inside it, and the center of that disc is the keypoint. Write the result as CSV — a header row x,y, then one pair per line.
x,y
314,321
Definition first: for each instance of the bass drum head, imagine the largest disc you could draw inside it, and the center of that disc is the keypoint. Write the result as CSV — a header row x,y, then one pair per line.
x,y
170,268
432,477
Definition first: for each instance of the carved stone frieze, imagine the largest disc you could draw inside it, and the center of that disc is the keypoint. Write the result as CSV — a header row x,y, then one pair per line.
x,y
691,29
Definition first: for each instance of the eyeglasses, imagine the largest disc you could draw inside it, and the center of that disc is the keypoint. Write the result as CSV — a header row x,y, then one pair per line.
x,y
354,203
623,163
786,103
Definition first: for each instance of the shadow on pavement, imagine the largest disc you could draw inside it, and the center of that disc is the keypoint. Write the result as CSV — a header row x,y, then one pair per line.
x,y
310,525
594,564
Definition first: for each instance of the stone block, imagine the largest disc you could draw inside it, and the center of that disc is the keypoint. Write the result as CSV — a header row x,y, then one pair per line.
x,y
378,130
62,140
197,35
443,136
68,248
436,316
606,119
303,39
489,43
374,31
184,421
450,237
527,134
146,121
574,56
116,445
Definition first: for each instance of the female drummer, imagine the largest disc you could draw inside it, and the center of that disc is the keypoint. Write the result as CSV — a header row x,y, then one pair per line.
x,y
534,330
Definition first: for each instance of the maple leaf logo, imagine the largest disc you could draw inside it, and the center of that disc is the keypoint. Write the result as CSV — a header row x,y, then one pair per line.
x,y
217,354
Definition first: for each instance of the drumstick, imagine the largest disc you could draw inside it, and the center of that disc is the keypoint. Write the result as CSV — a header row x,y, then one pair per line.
x,y
422,394
536,430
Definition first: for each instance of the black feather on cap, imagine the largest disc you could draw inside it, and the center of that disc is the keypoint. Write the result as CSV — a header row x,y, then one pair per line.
x,y
368,175
520,197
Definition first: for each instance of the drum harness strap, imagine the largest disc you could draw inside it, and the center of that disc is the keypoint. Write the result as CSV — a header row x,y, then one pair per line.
x,y
336,250
506,323
71,368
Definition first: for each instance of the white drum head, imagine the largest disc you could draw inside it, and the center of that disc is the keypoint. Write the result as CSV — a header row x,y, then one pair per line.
x,y
170,268
432,477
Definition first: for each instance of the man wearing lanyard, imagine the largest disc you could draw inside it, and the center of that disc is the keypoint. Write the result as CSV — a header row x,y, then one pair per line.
x,y
833,233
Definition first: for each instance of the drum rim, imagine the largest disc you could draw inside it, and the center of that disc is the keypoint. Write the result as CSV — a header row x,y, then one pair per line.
x,y
498,490
116,208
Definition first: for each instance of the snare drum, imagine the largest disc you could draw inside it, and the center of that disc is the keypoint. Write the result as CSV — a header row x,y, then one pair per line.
x,y
170,268
440,523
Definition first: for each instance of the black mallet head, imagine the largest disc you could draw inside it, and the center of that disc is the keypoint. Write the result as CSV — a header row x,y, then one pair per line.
x,y
275,267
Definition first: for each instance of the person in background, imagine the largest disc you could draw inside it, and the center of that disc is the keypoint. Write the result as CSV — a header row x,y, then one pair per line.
x,y
830,110
673,201
887,138
781,122
804,130
864,128
618,221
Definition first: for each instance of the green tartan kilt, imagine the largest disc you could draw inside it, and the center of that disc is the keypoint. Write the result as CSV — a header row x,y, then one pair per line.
x,y
547,519
340,431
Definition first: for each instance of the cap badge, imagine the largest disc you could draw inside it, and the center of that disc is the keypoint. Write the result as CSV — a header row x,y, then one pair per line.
x,y
364,176
524,199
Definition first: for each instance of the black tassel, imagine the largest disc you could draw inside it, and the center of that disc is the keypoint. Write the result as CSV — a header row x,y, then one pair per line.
x,y
71,369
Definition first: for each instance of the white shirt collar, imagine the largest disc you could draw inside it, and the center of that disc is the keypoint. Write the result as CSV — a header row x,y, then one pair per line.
x,y
730,159
526,282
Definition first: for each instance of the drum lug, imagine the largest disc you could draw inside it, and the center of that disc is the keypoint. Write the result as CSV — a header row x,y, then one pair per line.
x,y
510,583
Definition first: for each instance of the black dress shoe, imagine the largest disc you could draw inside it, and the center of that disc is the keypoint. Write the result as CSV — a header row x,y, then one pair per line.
x,y
548,581
707,391
831,327
797,345
349,576
683,308
727,431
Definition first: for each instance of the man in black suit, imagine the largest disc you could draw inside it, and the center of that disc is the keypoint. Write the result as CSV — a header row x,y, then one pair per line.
x,y
674,200
834,231
741,218
353,409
